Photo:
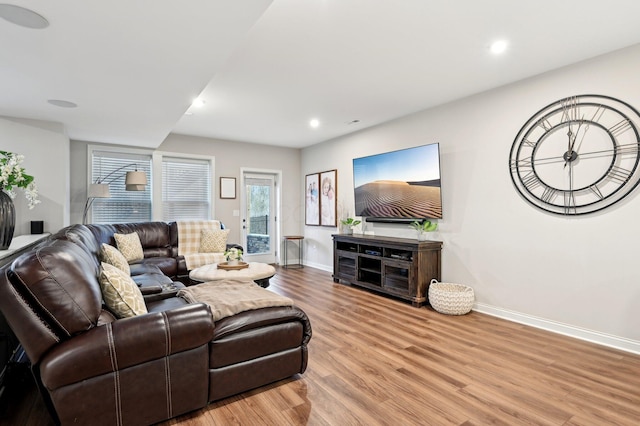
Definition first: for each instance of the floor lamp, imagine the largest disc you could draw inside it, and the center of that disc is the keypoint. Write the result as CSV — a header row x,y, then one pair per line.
x,y
134,181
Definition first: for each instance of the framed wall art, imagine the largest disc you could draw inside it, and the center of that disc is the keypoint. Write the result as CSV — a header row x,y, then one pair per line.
x,y
312,199
328,194
227,187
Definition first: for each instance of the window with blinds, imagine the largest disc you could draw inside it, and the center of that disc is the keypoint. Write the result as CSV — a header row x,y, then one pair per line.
x,y
123,206
186,189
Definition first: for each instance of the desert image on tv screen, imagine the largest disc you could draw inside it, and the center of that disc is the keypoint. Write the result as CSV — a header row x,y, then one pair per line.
x,y
399,184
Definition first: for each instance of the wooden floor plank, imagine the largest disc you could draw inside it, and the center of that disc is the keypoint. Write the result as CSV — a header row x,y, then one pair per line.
x,y
375,360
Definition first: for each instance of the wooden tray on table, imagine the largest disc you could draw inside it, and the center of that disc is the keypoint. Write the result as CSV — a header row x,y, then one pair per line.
x,y
227,267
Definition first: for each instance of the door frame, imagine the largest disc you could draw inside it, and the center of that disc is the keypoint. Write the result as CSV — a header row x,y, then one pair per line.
x,y
277,229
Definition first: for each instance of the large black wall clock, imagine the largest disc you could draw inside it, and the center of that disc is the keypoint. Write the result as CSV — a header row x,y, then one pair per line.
x,y
578,155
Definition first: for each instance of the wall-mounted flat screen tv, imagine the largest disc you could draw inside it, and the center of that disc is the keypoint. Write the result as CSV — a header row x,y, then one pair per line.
x,y
399,186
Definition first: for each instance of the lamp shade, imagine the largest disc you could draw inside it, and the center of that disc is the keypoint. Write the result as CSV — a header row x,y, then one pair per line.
x,y
135,181
99,190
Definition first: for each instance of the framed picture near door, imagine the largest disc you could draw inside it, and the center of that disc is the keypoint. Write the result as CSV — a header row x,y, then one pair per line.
x,y
227,187
312,199
328,194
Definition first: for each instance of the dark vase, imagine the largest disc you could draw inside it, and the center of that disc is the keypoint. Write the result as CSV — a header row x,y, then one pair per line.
x,y
7,220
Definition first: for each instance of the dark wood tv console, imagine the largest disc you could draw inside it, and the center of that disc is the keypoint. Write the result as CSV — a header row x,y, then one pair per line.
x,y
400,267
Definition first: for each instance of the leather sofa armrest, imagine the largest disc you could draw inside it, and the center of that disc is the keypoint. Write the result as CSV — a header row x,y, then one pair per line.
x,y
150,289
125,343
182,266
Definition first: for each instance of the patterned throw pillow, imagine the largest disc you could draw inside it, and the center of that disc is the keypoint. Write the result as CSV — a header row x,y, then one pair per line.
x,y
120,293
130,246
213,240
112,256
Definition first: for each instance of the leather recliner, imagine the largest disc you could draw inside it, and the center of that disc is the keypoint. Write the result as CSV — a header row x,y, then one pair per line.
x,y
93,368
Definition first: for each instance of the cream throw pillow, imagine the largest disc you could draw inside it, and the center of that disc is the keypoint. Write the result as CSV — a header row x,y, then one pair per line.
x,y
112,256
120,293
213,240
130,246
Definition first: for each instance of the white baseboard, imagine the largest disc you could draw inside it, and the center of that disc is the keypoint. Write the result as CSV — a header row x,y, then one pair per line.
x,y
319,266
604,339
597,337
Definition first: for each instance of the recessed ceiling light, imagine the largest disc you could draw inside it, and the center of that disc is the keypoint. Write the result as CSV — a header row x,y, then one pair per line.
x,y
498,47
198,103
23,17
314,123
61,103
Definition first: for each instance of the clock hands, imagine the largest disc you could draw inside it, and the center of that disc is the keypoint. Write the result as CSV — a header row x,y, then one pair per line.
x,y
596,116
572,155
567,155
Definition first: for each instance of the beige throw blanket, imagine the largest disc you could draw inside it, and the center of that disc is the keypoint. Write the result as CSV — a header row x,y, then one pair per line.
x,y
189,243
228,298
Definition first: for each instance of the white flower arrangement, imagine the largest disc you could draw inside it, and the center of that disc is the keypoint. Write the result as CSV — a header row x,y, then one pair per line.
x,y
13,175
233,253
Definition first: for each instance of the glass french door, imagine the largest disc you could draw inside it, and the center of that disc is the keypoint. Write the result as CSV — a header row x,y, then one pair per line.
x,y
259,220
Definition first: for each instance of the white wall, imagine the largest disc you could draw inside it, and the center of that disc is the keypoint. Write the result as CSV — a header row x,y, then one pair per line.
x,y
45,147
572,275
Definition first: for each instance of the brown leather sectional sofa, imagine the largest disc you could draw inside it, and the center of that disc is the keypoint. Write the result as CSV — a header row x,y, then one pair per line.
x,y
95,369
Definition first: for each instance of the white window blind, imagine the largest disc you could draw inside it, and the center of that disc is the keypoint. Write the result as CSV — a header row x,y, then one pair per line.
x,y
186,189
123,206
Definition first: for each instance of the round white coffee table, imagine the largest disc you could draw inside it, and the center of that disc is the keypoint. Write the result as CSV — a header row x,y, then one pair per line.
x,y
258,272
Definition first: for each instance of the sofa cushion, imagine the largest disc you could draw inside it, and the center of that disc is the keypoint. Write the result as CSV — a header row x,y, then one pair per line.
x,y
151,279
213,240
120,293
163,265
130,246
153,235
111,255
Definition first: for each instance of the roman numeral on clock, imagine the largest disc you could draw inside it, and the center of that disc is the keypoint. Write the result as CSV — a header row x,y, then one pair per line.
x,y
549,194
619,174
531,181
545,124
595,190
522,166
629,148
569,202
620,127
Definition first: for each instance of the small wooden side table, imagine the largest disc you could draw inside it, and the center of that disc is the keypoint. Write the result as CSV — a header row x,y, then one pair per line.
x,y
292,238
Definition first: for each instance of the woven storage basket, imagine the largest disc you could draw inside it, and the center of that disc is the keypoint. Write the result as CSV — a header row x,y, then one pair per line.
x,y
450,299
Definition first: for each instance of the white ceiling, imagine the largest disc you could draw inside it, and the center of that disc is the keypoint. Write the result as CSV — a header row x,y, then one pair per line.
x,y
134,66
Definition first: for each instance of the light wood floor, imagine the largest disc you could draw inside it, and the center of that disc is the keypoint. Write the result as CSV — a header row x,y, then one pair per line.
x,y
378,361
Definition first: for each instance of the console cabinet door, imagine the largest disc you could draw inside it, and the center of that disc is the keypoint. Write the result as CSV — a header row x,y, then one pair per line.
x,y
398,277
345,265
